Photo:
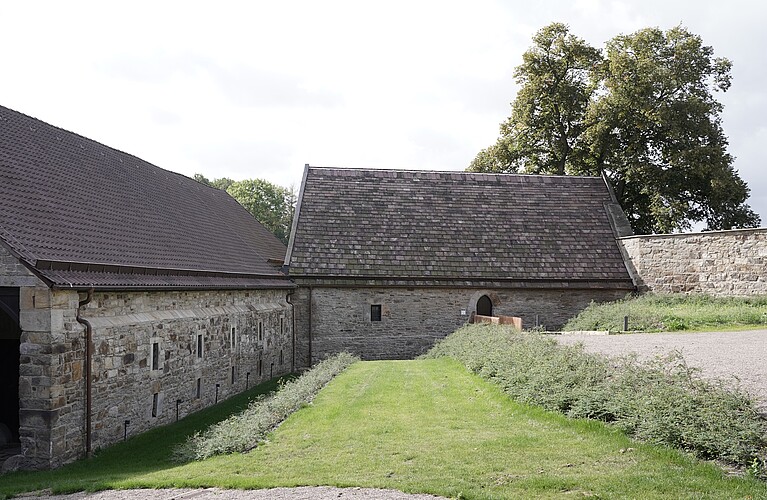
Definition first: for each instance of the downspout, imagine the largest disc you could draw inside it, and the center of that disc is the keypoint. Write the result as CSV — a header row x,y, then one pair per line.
x,y
310,326
87,370
289,299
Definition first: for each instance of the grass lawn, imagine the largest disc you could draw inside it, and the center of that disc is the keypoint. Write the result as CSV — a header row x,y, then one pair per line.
x,y
417,426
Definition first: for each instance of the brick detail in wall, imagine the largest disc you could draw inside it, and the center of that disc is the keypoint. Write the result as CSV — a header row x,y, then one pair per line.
x,y
722,263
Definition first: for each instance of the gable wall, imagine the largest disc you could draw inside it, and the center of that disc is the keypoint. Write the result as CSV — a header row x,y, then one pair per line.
x,y
723,263
125,325
413,319
13,273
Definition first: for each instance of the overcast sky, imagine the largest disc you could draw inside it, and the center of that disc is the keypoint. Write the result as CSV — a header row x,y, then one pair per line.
x,y
258,89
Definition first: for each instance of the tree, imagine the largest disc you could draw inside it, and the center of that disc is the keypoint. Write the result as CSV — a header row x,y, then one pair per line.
x,y
272,205
644,115
544,132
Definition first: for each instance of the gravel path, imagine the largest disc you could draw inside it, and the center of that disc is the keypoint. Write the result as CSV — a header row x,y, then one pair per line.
x,y
741,356
301,493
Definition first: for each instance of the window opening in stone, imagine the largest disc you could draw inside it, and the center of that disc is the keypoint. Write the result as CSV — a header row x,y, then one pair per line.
x,y
260,366
233,338
375,312
282,325
155,355
484,306
232,375
282,359
260,331
198,391
199,346
155,403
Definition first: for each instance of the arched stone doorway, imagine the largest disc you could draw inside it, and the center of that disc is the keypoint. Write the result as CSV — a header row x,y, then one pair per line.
x,y
484,306
10,336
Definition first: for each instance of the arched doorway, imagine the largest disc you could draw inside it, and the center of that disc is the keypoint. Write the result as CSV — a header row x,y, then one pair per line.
x,y
484,306
10,336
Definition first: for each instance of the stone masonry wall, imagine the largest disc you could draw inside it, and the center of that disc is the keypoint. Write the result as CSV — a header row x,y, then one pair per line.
x,y
413,319
246,338
13,273
723,263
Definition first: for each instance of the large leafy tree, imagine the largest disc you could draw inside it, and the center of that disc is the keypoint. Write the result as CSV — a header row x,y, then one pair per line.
x,y
644,114
272,205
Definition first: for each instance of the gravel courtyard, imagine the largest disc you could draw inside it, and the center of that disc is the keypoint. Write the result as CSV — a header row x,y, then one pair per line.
x,y
738,356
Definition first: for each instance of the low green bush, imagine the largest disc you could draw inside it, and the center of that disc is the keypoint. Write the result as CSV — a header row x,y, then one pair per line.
x,y
244,431
673,312
662,401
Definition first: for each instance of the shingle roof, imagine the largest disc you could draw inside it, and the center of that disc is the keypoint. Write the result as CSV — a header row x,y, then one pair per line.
x,y
392,224
71,205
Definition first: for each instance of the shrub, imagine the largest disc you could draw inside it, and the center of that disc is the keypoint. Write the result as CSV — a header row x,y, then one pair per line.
x,y
662,401
245,431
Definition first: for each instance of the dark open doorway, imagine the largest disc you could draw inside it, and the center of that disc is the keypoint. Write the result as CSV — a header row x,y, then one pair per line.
x,y
10,337
484,306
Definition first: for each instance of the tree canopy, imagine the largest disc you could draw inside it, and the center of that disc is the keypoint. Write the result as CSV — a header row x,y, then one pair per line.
x,y
272,205
643,113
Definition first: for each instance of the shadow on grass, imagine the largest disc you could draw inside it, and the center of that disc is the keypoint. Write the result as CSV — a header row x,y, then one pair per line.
x,y
150,452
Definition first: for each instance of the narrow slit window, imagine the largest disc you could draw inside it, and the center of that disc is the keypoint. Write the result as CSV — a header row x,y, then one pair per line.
x,y
282,325
155,355
155,403
199,346
260,330
198,391
282,359
260,366
375,312
233,338
232,375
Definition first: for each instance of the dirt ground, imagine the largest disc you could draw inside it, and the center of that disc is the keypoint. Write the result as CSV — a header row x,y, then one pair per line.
x,y
740,357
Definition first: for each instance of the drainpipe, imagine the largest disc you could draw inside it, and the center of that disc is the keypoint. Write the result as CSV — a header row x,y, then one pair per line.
x,y
87,369
289,299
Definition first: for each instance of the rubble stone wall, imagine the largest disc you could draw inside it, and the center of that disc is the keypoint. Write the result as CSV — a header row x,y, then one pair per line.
x,y
720,263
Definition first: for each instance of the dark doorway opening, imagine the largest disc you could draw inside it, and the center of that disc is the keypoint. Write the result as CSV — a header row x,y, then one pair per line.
x,y
484,306
10,338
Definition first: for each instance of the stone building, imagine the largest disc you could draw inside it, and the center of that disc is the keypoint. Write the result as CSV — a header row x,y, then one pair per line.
x,y
388,261
129,295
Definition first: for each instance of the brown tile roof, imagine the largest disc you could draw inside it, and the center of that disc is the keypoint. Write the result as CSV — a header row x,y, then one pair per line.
x,y
79,213
394,224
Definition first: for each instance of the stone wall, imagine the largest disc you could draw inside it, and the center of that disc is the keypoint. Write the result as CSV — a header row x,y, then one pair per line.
x,y
246,338
723,263
13,273
413,319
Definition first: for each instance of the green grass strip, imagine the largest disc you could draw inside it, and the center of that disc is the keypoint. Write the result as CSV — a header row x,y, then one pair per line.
x,y
674,312
426,426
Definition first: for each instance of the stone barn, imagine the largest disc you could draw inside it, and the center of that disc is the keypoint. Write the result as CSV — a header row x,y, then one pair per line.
x,y
389,261
130,296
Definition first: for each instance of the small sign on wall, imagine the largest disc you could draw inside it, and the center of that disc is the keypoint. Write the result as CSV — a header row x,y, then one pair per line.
x,y
463,312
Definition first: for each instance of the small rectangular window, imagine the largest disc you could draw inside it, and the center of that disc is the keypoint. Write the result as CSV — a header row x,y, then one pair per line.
x,y
199,346
155,355
260,366
260,331
198,392
155,403
282,325
282,359
375,312
232,375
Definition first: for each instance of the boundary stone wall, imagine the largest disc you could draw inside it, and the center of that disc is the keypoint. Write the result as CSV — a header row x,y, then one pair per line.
x,y
720,263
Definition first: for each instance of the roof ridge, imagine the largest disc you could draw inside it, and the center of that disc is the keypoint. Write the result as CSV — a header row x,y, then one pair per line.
x,y
460,172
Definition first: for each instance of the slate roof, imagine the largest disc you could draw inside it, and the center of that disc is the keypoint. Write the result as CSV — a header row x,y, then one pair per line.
x,y
79,213
429,226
